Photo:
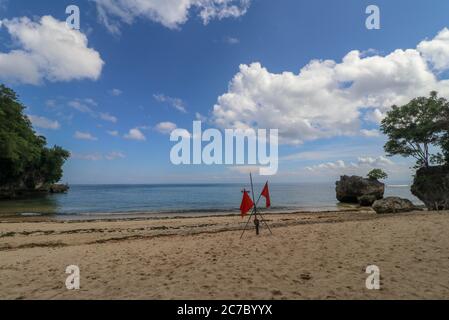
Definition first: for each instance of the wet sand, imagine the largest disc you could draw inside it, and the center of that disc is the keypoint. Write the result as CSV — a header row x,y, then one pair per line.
x,y
309,256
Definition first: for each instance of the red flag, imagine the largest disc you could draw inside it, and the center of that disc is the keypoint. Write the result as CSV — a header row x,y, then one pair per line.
x,y
247,203
266,194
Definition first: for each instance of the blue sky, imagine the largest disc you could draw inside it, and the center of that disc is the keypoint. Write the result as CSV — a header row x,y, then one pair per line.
x,y
172,65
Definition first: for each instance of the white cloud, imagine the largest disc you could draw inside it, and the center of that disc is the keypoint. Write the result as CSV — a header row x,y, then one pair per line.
x,y
370,133
107,117
176,103
88,157
47,50
200,117
231,40
362,164
169,13
91,101
135,134
327,99
309,155
245,169
436,51
80,106
85,136
375,116
50,103
115,155
85,106
375,162
116,92
166,127
113,133
44,123
340,164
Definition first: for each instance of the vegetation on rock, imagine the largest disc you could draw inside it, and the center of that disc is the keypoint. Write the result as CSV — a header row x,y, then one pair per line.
x,y
377,174
26,163
419,129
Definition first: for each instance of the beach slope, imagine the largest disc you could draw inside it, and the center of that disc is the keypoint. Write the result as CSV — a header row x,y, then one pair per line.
x,y
309,256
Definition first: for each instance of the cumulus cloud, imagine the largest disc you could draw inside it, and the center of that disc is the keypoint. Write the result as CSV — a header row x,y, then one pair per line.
x,y
375,116
47,50
327,98
363,163
135,134
44,123
176,103
375,162
115,155
169,13
436,51
166,127
85,136
86,105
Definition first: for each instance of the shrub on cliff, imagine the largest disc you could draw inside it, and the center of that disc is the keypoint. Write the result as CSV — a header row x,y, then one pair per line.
x,y
417,128
377,174
25,161
421,129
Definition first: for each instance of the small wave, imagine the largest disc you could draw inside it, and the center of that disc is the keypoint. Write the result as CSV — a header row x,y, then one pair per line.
x,y
31,214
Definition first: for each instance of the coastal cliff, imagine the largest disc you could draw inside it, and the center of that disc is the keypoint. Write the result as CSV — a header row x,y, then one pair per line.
x,y
27,165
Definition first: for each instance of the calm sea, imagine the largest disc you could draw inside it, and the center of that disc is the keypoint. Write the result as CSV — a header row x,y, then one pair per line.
x,y
97,200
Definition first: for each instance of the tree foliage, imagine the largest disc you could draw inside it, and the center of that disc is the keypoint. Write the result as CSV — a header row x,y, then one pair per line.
x,y
419,129
25,161
377,174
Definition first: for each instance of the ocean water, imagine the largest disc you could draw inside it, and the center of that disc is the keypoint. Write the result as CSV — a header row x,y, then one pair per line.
x,y
98,200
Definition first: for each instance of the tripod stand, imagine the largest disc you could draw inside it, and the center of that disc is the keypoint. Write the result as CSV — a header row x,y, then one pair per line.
x,y
255,213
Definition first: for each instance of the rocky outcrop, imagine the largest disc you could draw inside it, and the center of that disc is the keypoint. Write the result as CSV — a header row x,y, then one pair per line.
x,y
59,188
360,190
24,192
393,205
431,186
367,200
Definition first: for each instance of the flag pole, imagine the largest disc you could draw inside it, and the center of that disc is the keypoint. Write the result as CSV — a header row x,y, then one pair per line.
x,y
247,222
256,220
255,206
254,211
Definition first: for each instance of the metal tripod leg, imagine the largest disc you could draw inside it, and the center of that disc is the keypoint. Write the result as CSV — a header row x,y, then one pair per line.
x,y
246,226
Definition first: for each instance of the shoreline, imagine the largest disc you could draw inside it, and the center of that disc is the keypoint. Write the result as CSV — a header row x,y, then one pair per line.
x,y
309,256
123,216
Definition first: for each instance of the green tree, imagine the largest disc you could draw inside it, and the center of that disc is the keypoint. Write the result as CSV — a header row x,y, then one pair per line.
x,y
377,174
25,161
417,128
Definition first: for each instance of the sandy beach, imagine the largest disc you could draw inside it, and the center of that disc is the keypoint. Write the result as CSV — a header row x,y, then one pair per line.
x,y
309,256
